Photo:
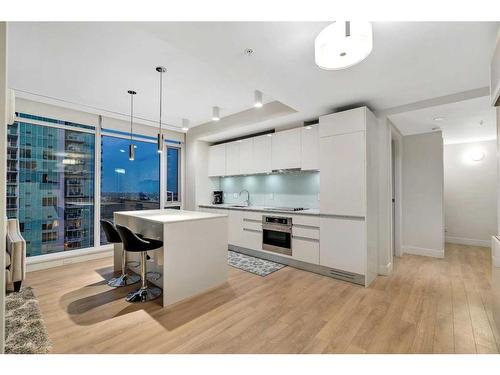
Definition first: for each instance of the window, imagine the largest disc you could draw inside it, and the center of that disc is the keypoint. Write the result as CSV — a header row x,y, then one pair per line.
x,y
173,174
51,186
128,185
48,194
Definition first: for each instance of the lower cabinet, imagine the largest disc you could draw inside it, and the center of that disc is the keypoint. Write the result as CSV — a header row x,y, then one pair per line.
x,y
235,221
305,250
252,239
342,244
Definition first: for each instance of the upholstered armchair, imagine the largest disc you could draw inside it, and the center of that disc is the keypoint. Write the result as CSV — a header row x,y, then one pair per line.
x,y
15,261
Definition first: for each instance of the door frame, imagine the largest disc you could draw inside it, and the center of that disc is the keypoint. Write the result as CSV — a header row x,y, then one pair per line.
x,y
396,229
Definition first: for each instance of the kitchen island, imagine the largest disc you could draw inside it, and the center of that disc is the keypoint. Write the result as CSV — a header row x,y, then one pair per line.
x,y
193,258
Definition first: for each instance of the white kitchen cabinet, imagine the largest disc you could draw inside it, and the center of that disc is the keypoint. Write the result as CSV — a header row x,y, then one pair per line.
x,y
235,227
217,160
246,156
232,159
349,192
342,244
342,182
353,120
286,149
262,154
305,250
310,148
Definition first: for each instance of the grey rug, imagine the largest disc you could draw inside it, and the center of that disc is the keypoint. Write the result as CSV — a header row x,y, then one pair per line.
x,y
257,266
24,327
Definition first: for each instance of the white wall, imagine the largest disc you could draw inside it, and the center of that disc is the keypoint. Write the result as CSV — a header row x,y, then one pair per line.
x,y
3,152
470,193
423,205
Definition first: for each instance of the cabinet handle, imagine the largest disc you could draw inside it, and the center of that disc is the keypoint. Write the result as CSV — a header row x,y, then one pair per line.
x,y
305,239
252,230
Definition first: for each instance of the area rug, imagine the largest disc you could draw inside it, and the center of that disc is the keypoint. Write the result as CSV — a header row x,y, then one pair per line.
x,y
24,327
254,265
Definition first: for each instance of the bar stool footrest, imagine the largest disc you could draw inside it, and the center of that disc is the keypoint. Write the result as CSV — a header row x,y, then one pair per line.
x,y
124,280
144,294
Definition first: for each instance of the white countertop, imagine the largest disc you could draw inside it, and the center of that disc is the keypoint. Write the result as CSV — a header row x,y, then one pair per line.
x,y
169,216
309,211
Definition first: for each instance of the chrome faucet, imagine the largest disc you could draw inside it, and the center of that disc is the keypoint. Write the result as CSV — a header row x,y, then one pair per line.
x,y
247,201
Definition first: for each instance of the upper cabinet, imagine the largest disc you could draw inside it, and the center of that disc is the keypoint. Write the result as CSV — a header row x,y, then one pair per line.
x,y
246,156
286,149
350,121
262,154
348,143
294,148
310,148
232,158
217,160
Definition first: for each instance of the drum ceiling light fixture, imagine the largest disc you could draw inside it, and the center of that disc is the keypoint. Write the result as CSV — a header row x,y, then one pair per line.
x,y
343,44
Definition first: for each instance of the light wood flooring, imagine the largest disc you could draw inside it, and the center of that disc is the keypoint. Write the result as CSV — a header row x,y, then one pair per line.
x,y
427,306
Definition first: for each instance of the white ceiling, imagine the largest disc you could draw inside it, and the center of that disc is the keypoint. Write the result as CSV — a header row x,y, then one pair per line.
x,y
95,64
461,121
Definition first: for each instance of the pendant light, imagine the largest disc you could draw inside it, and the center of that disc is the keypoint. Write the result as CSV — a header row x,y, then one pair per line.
x,y
257,95
161,70
215,113
343,44
131,148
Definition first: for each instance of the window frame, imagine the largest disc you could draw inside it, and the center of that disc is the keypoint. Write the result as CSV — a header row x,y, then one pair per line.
x,y
180,166
98,132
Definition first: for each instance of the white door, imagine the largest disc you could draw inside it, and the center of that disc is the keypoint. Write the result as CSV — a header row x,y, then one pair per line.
x,y
310,148
342,182
342,244
217,160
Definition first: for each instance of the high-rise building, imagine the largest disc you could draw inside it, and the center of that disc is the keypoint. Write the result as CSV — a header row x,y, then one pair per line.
x,y
50,186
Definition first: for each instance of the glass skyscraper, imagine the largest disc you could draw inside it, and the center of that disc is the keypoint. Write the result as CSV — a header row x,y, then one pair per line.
x,y
50,186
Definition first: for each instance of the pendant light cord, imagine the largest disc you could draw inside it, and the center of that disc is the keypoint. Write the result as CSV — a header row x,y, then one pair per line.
x,y
131,114
161,95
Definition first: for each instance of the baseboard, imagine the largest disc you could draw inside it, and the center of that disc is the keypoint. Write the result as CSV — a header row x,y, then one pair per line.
x,y
422,251
42,262
385,269
468,241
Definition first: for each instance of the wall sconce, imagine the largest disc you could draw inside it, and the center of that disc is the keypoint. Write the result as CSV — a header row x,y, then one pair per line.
x,y
477,155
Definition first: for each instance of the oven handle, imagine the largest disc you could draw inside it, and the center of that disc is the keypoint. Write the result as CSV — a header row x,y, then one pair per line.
x,y
277,228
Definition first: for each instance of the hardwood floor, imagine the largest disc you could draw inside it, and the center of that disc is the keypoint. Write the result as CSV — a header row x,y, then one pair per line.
x,y
427,306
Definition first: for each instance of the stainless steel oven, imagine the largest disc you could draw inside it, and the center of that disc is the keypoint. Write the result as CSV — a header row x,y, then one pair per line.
x,y
277,234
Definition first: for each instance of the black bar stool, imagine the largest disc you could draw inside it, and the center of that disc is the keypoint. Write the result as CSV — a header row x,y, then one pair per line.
x,y
131,242
112,236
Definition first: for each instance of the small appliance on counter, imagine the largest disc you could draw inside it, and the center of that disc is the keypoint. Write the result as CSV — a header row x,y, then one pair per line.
x,y
218,197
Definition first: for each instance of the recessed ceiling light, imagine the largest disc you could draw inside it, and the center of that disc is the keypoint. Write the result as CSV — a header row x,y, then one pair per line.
x,y
343,44
239,141
308,127
269,135
438,118
121,150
